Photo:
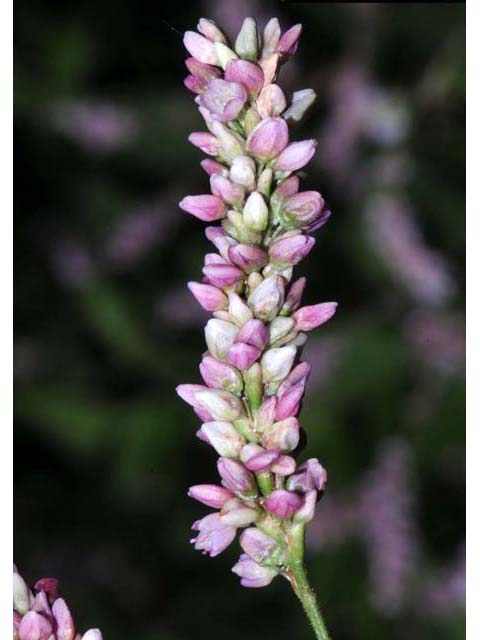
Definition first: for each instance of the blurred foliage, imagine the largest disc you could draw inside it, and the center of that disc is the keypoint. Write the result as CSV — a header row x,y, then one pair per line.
x,y
104,449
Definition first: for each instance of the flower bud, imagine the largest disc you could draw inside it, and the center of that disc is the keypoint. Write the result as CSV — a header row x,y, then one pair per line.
x,y
289,404
187,393
263,460
268,139
205,207
236,477
34,627
21,594
308,318
307,510
265,182
270,67
235,226
200,48
277,362
243,172
319,222
224,100
223,275
238,513
242,355
253,280
214,536
250,120
288,43
266,415
257,544
246,44
229,192
92,634
255,212
252,574
301,209
294,296
48,586
203,73
282,503
205,141
210,298
271,101
218,375
249,75
279,328
301,101
209,29
221,405
224,438
295,156
283,435
271,36
224,54
254,333
267,299
193,84
289,251
239,312
284,466
64,621
249,257
254,385
212,167
210,494
219,336
220,239
230,143
310,475
298,375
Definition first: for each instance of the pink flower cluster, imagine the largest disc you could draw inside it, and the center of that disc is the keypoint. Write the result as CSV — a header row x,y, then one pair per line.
x,y
41,615
253,378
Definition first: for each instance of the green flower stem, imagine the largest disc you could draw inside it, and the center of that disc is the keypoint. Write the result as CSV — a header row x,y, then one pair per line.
x,y
298,579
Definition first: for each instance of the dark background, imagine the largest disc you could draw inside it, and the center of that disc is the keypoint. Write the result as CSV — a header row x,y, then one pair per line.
x,y
105,329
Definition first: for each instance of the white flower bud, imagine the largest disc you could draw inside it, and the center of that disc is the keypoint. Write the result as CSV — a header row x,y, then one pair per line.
x,y
224,54
276,363
246,44
255,212
224,438
219,336
267,298
221,405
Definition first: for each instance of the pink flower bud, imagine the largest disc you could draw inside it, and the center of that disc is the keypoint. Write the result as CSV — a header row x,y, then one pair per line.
x,y
218,375
193,84
221,405
214,536
210,494
252,574
236,477
238,513
266,414
212,167
209,29
288,43
289,404
243,172
202,73
223,275
319,222
210,298
34,627
253,332
302,208
248,74
308,318
282,503
49,586
283,435
295,156
307,510
257,544
301,101
270,67
205,141
310,475
223,99
294,296
276,363
238,311
64,620
249,257
242,355
205,207
289,251
286,188
284,466
262,461
298,375
187,393
219,336
271,101
267,299
200,48
268,139
223,437
230,192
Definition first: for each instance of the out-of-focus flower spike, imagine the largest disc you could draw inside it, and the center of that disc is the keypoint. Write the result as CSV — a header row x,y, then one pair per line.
x,y
210,494
246,44
308,318
200,48
210,30
301,102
